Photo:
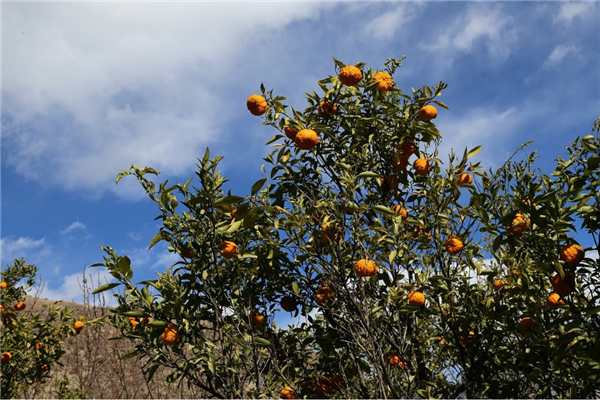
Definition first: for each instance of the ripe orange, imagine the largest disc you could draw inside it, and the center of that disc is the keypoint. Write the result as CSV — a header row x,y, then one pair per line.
x,y
572,254
133,321
364,268
2,309
327,108
3,285
288,303
401,211
350,75
563,287
257,104
441,341
290,132
554,301
419,231
287,393
427,113
468,340
78,326
6,357
408,148
20,306
329,232
422,166
228,249
324,293
39,346
44,368
464,179
306,139
525,324
170,336
384,81
416,299
258,319
519,225
498,285
454,245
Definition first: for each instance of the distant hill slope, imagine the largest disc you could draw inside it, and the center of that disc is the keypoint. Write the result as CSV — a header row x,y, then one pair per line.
x,y
93,363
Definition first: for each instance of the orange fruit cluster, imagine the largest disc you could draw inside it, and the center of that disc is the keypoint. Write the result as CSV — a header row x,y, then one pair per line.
x,y
326,108
170,336
384,81
288,393
554,301
324,293
364,268
454,245
525,324
401,211
3,285
572,254
520,224
228,249
563,287
416,299
498,285
350,75
257,105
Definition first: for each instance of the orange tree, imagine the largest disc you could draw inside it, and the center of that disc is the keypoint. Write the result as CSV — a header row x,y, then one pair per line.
x,y
414,278
32,340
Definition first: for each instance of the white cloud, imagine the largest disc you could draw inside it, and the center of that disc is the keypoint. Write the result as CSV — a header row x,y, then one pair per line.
x,y
385,25
25,247
558,54
74,226
486,24
571,10
71,288
91,88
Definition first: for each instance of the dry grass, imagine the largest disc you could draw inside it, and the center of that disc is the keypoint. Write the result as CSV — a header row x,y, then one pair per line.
x,y
93,364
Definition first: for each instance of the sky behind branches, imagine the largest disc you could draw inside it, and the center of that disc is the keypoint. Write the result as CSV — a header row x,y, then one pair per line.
x,y
90,88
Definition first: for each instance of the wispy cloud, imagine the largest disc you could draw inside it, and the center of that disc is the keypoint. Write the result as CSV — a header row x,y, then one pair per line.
x,y
86,101
74,226
71,287
487,25
570,10
384,26
25,247
559,53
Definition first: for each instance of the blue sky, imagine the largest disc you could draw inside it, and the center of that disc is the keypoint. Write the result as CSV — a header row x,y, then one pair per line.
x,y
90,88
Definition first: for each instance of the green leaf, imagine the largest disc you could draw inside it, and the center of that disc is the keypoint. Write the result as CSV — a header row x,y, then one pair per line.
x,y
122,174
439,103
592,311
262,342
251,219
104,288
235,226
474,151
136,314
157,324
157,238
368,174
295,287
384,210
257,186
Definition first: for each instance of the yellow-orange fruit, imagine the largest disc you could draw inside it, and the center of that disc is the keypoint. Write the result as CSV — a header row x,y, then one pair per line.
x,y
554,301
422,166
3,285
324,293
384,81
231,216
563,287
20,306
2,309
78,326
519,225
427,113
401,211
134,322
454,245
306,139
464,179
257,104
525,324
170,336
468,340
350,75
498,285
6,357
416,299
419,231
44,368
329,232
228,249
408,148
290,132
572,254
364,268
288,303
287,393
39,346
258,319
326,107
441,341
